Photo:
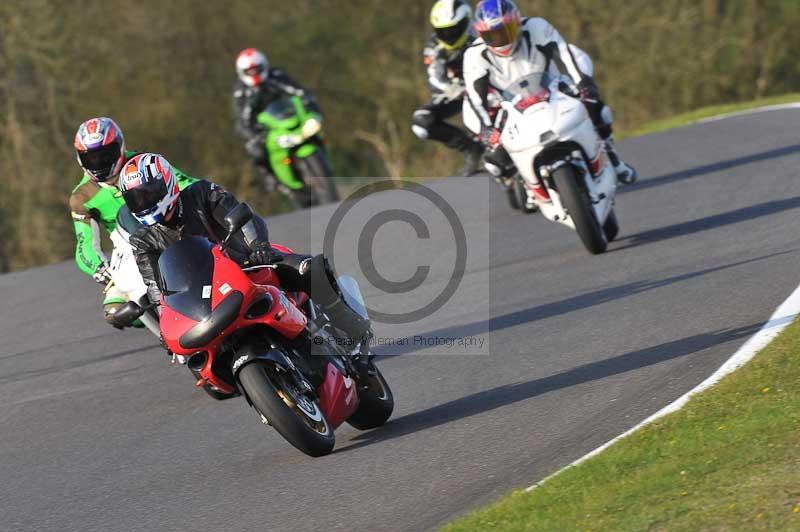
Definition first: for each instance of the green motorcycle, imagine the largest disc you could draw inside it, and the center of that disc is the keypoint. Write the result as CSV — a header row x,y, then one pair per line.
x,y
296,152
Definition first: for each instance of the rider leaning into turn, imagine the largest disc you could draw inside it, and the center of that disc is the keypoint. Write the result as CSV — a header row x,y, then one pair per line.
x,y
510,48
258,85
167,214
444,57
95,202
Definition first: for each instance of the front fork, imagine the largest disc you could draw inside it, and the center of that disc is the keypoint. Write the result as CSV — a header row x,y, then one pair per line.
x,y
600,188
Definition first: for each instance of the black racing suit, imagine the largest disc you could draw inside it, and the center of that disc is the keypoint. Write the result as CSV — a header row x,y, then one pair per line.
x,y
446,82
248,102
201,212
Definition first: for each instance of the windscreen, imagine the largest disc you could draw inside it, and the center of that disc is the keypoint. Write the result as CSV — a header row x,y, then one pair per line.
x,y
282,108
528,86
187,272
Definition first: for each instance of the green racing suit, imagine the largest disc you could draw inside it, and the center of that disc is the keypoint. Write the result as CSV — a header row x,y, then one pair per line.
x,y
96,204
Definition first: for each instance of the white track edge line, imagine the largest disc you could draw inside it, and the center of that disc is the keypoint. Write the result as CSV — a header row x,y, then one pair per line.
x,y
779,320
767,108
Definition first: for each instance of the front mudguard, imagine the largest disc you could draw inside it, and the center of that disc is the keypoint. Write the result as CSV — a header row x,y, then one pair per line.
x,y
282,160
252,354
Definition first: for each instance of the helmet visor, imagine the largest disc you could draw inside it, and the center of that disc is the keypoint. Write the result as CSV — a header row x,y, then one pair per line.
x,y
452,34
255,70
143,199
101,159
501,36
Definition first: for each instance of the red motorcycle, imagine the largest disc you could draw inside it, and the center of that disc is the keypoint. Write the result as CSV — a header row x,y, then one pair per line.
x,y
243,335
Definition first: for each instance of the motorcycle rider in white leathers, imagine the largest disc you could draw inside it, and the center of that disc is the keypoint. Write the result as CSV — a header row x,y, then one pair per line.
x,y
511,48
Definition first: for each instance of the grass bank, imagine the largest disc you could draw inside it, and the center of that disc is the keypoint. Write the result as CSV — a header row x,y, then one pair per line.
x,y
729,460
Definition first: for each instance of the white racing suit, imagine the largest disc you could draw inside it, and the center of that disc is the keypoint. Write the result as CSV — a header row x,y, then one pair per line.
x,y
127,282
474,124
540,48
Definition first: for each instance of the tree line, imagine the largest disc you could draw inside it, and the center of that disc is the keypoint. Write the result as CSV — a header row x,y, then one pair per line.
x,y
164,71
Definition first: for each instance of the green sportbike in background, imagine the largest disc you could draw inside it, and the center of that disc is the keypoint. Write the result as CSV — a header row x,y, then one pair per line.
x,y
296,151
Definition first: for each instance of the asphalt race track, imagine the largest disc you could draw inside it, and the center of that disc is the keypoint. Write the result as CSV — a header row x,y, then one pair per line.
x,y
99,432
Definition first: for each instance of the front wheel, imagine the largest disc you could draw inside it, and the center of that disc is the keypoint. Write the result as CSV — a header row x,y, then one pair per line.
x,y
577,202
281,404
611,227
375,402
317,174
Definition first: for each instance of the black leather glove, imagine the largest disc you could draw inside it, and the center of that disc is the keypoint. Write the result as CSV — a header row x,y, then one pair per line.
x,y
490,137
102,275
262,254
588,90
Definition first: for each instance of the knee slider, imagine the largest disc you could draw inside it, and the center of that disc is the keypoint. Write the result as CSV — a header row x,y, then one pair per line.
x,y
424,118
498,162
109,310
606,115
423,121
493,169
420,131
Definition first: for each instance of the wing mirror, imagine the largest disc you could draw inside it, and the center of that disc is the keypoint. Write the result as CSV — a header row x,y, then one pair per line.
x,y
237,218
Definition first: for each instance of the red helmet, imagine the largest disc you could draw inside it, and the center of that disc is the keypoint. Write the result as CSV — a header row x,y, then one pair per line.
x,y
100,148
252,67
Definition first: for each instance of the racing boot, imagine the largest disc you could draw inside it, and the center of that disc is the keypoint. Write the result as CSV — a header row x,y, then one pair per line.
x,y
470,148
325,291
111,304
626,174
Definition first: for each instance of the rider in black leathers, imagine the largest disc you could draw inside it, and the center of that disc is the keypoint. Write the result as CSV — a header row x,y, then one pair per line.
x,y
199,210
444,58
259,84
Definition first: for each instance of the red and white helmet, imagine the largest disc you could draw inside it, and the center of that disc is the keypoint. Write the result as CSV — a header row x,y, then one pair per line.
x,y
150,188
100,148
252,66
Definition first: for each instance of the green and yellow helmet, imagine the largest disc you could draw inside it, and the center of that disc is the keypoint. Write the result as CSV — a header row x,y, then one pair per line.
x,y
450,20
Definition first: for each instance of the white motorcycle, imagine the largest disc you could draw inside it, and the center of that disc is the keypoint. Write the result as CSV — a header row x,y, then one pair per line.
x,y
562,160
126,278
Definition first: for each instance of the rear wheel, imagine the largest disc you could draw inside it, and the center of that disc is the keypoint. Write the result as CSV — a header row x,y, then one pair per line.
x,y
576,201
376,402
611,227
281,404
513,195
317,174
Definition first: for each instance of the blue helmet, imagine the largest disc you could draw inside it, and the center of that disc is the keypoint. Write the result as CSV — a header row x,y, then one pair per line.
x,y
498,23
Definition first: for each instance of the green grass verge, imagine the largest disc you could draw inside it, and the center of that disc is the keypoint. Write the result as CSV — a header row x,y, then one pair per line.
x,y
729,460
707,112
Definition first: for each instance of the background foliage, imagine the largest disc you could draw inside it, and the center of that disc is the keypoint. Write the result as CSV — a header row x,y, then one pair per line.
x,y
164,71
